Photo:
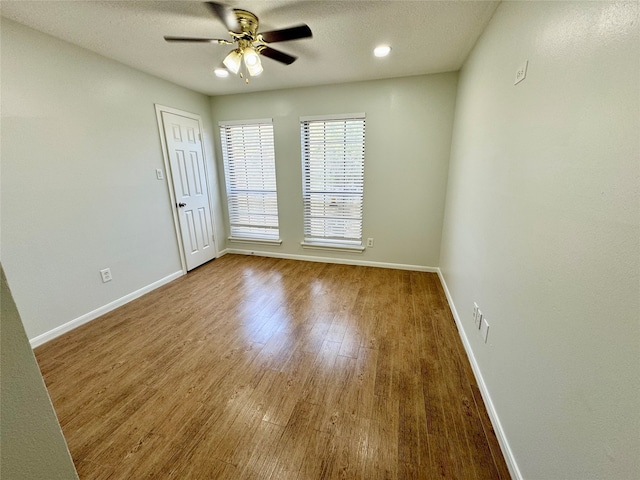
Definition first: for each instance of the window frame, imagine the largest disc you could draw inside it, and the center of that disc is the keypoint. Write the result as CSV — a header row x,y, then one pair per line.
x,y
233,191
326,242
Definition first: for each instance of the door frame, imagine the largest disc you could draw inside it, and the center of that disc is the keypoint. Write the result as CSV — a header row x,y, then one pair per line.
x,y
160,109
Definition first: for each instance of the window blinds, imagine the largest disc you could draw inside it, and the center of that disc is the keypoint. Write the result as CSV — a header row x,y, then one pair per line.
x,y
250,174
333,167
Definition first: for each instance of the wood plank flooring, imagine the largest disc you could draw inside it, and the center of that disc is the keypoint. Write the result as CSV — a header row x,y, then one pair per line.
x,y
260,368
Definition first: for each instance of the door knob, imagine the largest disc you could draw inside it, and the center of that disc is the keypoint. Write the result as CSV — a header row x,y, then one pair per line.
x,y
182,204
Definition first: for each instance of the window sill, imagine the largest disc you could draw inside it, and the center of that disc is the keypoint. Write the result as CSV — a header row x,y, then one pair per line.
x,y
332,246
255,240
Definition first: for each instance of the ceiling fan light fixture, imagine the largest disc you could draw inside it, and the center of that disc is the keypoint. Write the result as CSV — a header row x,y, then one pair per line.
x,y
250,57
233,61
250,43
252,61
255,70
221,72
382,50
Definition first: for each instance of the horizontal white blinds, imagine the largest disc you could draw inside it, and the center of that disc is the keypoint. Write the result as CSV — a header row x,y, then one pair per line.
x,y
333,167
250,174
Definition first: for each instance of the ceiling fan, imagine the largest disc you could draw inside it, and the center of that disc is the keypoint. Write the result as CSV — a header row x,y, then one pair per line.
x,y
250,44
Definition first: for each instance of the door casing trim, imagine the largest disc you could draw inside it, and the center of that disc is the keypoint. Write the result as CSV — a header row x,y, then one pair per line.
x,y
160,109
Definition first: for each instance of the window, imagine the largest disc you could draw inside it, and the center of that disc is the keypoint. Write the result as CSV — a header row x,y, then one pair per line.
x,y
333,180
250,175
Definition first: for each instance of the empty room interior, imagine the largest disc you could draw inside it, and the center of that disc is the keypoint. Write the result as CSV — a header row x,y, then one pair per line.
x,y
237,243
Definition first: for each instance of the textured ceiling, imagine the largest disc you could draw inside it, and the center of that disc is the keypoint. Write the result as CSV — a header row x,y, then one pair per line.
x,y
426,37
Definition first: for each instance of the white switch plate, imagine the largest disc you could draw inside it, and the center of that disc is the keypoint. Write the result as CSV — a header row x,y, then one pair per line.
x,y
159,174
479,319
484,329
475,313
106,275
521,74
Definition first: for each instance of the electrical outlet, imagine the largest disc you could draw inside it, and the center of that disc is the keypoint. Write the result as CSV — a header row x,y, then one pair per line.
x,y
369,242
484,329
106,275
479,319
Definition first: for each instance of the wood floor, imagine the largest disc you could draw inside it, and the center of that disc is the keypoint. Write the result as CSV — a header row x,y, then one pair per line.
x,y
259,368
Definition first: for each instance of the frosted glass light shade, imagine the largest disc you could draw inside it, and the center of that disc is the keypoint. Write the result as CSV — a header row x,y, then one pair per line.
x,y
252,61
250,57
256,69
233,61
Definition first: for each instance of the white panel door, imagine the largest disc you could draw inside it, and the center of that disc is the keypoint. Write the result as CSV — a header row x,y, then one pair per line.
x,y
186,159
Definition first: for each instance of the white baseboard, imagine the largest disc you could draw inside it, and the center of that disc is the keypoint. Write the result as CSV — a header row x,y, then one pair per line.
x,y
87,317
493,414
341,261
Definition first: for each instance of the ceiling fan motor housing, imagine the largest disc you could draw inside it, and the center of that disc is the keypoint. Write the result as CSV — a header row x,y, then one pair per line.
x,y
248,23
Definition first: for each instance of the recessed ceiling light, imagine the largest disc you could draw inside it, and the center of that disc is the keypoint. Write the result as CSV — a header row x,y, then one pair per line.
x,y
221,72
382,51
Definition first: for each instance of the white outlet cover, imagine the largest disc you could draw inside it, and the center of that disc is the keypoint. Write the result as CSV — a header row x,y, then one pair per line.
x,y
106,275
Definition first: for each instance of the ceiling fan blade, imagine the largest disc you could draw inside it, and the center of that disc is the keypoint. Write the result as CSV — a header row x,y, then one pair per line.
x,y
225,14
194,40
286,34
277,55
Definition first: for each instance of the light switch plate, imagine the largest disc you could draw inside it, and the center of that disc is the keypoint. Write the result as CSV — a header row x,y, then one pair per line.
x,y
484,329
159,174
521,74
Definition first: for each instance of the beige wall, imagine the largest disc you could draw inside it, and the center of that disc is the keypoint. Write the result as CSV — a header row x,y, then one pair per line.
x,y
80,146
32,446
542,231
408,135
